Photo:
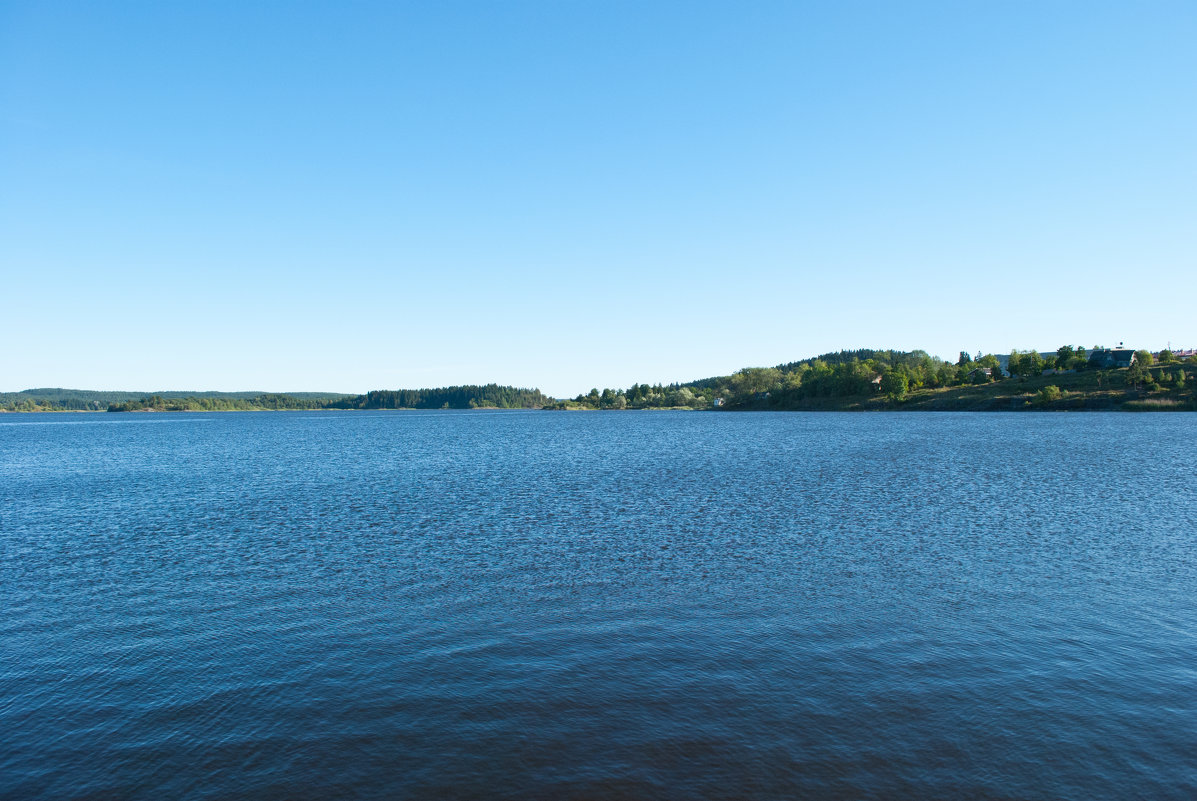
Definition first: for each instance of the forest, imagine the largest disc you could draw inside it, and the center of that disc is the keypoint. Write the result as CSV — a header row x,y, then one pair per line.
x,y
490,396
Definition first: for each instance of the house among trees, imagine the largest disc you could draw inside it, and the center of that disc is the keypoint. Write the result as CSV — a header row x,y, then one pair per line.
x,y
980,375
1106,358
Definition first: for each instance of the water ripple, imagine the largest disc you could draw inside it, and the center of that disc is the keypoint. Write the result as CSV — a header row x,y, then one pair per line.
x,y
535,605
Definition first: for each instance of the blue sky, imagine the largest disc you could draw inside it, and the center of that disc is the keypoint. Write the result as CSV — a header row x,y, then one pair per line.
x,y
347,196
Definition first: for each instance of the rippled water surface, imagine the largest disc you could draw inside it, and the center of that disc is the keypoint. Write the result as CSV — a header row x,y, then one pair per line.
x,y
605,605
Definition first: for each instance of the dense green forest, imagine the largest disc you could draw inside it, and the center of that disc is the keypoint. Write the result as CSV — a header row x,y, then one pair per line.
x,y
490,396
877,379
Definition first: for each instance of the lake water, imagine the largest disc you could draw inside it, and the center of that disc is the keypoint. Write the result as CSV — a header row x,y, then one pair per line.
x,y
605,605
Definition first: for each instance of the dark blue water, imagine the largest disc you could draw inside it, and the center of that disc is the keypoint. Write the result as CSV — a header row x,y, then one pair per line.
x,y
606,605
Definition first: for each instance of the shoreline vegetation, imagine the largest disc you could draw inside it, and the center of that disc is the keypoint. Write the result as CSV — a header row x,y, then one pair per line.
x,y
860,380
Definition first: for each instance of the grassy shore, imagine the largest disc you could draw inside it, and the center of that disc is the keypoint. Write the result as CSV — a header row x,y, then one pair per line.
x,y
1084,391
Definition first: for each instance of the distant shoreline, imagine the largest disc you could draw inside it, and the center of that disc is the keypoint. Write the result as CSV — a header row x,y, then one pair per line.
x,y
1071,379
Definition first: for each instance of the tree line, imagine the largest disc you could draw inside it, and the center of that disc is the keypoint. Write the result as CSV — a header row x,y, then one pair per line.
x,y
490,396
209,403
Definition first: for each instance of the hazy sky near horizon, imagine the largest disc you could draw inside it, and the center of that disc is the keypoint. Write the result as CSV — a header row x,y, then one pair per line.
x,y
348,196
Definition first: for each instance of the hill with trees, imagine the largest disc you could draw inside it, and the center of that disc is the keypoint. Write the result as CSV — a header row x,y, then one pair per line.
x,y
850,380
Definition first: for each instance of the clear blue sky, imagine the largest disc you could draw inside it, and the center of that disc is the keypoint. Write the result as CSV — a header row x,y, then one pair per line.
x,y
346,196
